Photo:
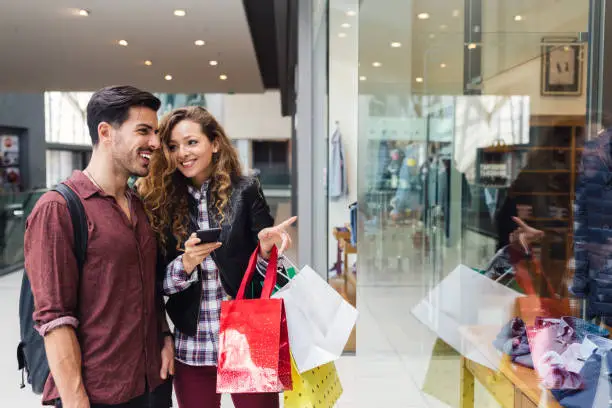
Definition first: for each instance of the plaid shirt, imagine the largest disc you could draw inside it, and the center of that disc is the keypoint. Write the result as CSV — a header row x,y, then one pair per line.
x,y
201,350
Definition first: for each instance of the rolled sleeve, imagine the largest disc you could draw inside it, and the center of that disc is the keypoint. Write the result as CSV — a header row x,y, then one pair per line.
x,y
177,279
59,322
51,265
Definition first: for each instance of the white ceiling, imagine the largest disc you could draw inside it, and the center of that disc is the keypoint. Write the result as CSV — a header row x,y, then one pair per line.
x,y
46,45
426,44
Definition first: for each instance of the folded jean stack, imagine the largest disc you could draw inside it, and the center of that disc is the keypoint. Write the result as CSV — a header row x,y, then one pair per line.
x,y
571,356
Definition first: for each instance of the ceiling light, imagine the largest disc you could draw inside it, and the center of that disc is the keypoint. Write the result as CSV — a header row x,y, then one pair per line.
x,y
455,13
341,35
362,78
518,17
442,65
213,63
396,44
223,77
83,12
423,16
346,25
443,27
168,77
180,13
148,63
472,46
376,64
566,48
199,43
351,13
432,36
123,43
419,79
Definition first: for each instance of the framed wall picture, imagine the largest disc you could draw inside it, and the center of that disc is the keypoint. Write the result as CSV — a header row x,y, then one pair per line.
x,y
561,66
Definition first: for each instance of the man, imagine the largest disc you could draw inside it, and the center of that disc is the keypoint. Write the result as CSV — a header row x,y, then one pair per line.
x,y
105,332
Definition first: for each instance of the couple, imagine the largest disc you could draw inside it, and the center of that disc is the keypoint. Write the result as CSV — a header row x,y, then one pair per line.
x,y
106,336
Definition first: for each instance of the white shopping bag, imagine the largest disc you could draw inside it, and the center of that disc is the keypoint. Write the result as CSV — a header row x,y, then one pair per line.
x,y
466,299
319,320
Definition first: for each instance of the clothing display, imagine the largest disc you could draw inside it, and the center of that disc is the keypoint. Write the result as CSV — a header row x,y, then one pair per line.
x,y
338,180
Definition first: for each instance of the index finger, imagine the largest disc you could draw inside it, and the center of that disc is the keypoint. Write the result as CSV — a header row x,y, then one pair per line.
x,y
288,222
520,222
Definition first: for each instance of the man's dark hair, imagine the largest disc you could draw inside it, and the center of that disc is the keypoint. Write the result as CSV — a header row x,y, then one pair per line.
x,y
112,105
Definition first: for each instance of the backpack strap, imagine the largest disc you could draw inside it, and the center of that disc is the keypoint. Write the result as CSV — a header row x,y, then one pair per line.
x,y
79,222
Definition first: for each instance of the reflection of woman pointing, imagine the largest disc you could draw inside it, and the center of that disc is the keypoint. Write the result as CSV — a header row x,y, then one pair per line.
x,y
195,183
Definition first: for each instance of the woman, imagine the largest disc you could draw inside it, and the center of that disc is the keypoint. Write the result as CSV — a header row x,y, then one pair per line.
x,y
195,183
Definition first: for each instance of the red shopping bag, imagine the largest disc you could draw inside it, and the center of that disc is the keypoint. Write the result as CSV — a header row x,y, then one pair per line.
x,y
254,352
541,299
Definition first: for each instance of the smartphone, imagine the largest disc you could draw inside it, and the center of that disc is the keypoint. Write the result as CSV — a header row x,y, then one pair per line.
x,y
209,235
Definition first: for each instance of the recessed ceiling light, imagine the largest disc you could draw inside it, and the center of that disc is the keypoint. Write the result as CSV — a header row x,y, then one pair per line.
x,y
419,79
362,78
396,44
346,25
518,17
351,13
376,64
213,63
455,13
341,35
423,16
443,27
123,43
223,77
148,63
442,65
180,13
432,36
83,12
168,77
472,46
199,43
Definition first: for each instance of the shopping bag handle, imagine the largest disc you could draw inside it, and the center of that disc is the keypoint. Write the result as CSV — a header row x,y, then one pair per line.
x,y
270,279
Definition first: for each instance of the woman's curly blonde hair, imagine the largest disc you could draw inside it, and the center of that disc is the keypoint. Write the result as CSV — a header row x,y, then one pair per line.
x,y
164,190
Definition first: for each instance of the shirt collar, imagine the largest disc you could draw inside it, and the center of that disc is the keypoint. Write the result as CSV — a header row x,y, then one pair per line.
x,y
198,193
85,188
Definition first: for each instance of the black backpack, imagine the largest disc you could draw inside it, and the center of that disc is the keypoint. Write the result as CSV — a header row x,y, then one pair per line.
x,y
31,355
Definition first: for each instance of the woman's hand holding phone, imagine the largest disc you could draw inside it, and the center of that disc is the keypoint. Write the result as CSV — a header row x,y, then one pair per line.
x,y
196,252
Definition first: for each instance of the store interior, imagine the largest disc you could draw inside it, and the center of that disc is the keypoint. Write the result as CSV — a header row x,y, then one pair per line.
x,y
445,136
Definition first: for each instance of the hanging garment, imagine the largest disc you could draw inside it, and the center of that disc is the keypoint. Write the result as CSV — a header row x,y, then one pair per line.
x,y
338,183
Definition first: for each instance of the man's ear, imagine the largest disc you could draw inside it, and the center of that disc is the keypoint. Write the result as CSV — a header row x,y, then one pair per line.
x,y
104,132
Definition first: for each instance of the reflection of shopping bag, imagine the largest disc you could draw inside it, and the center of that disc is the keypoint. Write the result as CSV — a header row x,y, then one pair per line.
x,y
319,387
442,378
253,341
465,298
541,300
319,320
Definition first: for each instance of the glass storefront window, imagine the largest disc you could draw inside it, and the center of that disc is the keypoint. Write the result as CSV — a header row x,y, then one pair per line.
x,y
66,118
470,122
